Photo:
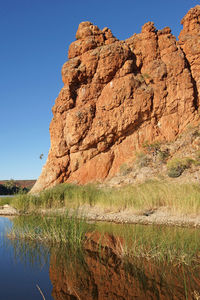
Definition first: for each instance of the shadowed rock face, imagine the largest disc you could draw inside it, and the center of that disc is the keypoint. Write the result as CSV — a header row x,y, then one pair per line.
x,y
119,94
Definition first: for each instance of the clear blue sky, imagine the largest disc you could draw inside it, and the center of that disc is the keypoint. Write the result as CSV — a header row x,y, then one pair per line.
x,y
34,40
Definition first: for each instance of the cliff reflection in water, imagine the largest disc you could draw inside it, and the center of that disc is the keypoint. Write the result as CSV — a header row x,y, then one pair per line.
x,y
100,272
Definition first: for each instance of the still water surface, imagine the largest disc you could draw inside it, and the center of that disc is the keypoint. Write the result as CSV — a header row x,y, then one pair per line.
x,y
18,279
91,274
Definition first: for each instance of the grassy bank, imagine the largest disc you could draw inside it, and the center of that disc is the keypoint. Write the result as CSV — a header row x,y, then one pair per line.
x,y
180,198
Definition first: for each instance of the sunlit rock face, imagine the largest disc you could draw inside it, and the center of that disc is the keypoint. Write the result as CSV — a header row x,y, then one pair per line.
x,y
189,40
119,94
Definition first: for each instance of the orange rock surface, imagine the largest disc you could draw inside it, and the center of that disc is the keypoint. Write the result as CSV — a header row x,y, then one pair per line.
x,y
119,94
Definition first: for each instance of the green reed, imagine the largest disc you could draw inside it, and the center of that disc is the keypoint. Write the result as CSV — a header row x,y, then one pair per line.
x,y
145,253
180,198
156,243
5,200
52,230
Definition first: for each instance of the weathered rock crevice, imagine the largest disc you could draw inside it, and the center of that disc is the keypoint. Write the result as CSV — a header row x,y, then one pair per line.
x,y
194,84
119,94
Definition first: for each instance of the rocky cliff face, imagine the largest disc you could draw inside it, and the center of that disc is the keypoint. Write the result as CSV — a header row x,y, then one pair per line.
x,y
119,94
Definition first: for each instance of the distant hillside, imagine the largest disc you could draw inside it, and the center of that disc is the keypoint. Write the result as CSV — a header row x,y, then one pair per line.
x,y
20,183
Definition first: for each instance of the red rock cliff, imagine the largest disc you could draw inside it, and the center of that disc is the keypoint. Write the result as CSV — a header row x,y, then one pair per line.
x,y
118,94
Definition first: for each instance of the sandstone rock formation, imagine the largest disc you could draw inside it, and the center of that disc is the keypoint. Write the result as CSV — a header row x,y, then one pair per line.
x,y
119,94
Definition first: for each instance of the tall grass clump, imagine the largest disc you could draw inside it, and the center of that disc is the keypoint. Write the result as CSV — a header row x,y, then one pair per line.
x,y
26,202
65,195
181,198
52,230
5,200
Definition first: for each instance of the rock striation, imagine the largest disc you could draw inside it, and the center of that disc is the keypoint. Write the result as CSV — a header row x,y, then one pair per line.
x,y
119,94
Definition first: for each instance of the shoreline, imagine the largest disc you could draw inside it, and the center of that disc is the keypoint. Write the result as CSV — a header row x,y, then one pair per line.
x,y
159,216
7,210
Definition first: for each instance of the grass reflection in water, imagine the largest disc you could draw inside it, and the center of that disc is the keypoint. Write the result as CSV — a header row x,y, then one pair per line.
x,y
95,260
159,243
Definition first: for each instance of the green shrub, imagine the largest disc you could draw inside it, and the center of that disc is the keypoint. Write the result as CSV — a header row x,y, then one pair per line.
x,y
197,158
155,150
196,133
176,166
163,154
154,147
142,77
125,169
146,75
142,160
197,154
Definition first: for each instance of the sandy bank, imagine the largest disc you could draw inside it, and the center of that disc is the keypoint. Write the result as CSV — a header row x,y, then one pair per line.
x,y
7,210
160,216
